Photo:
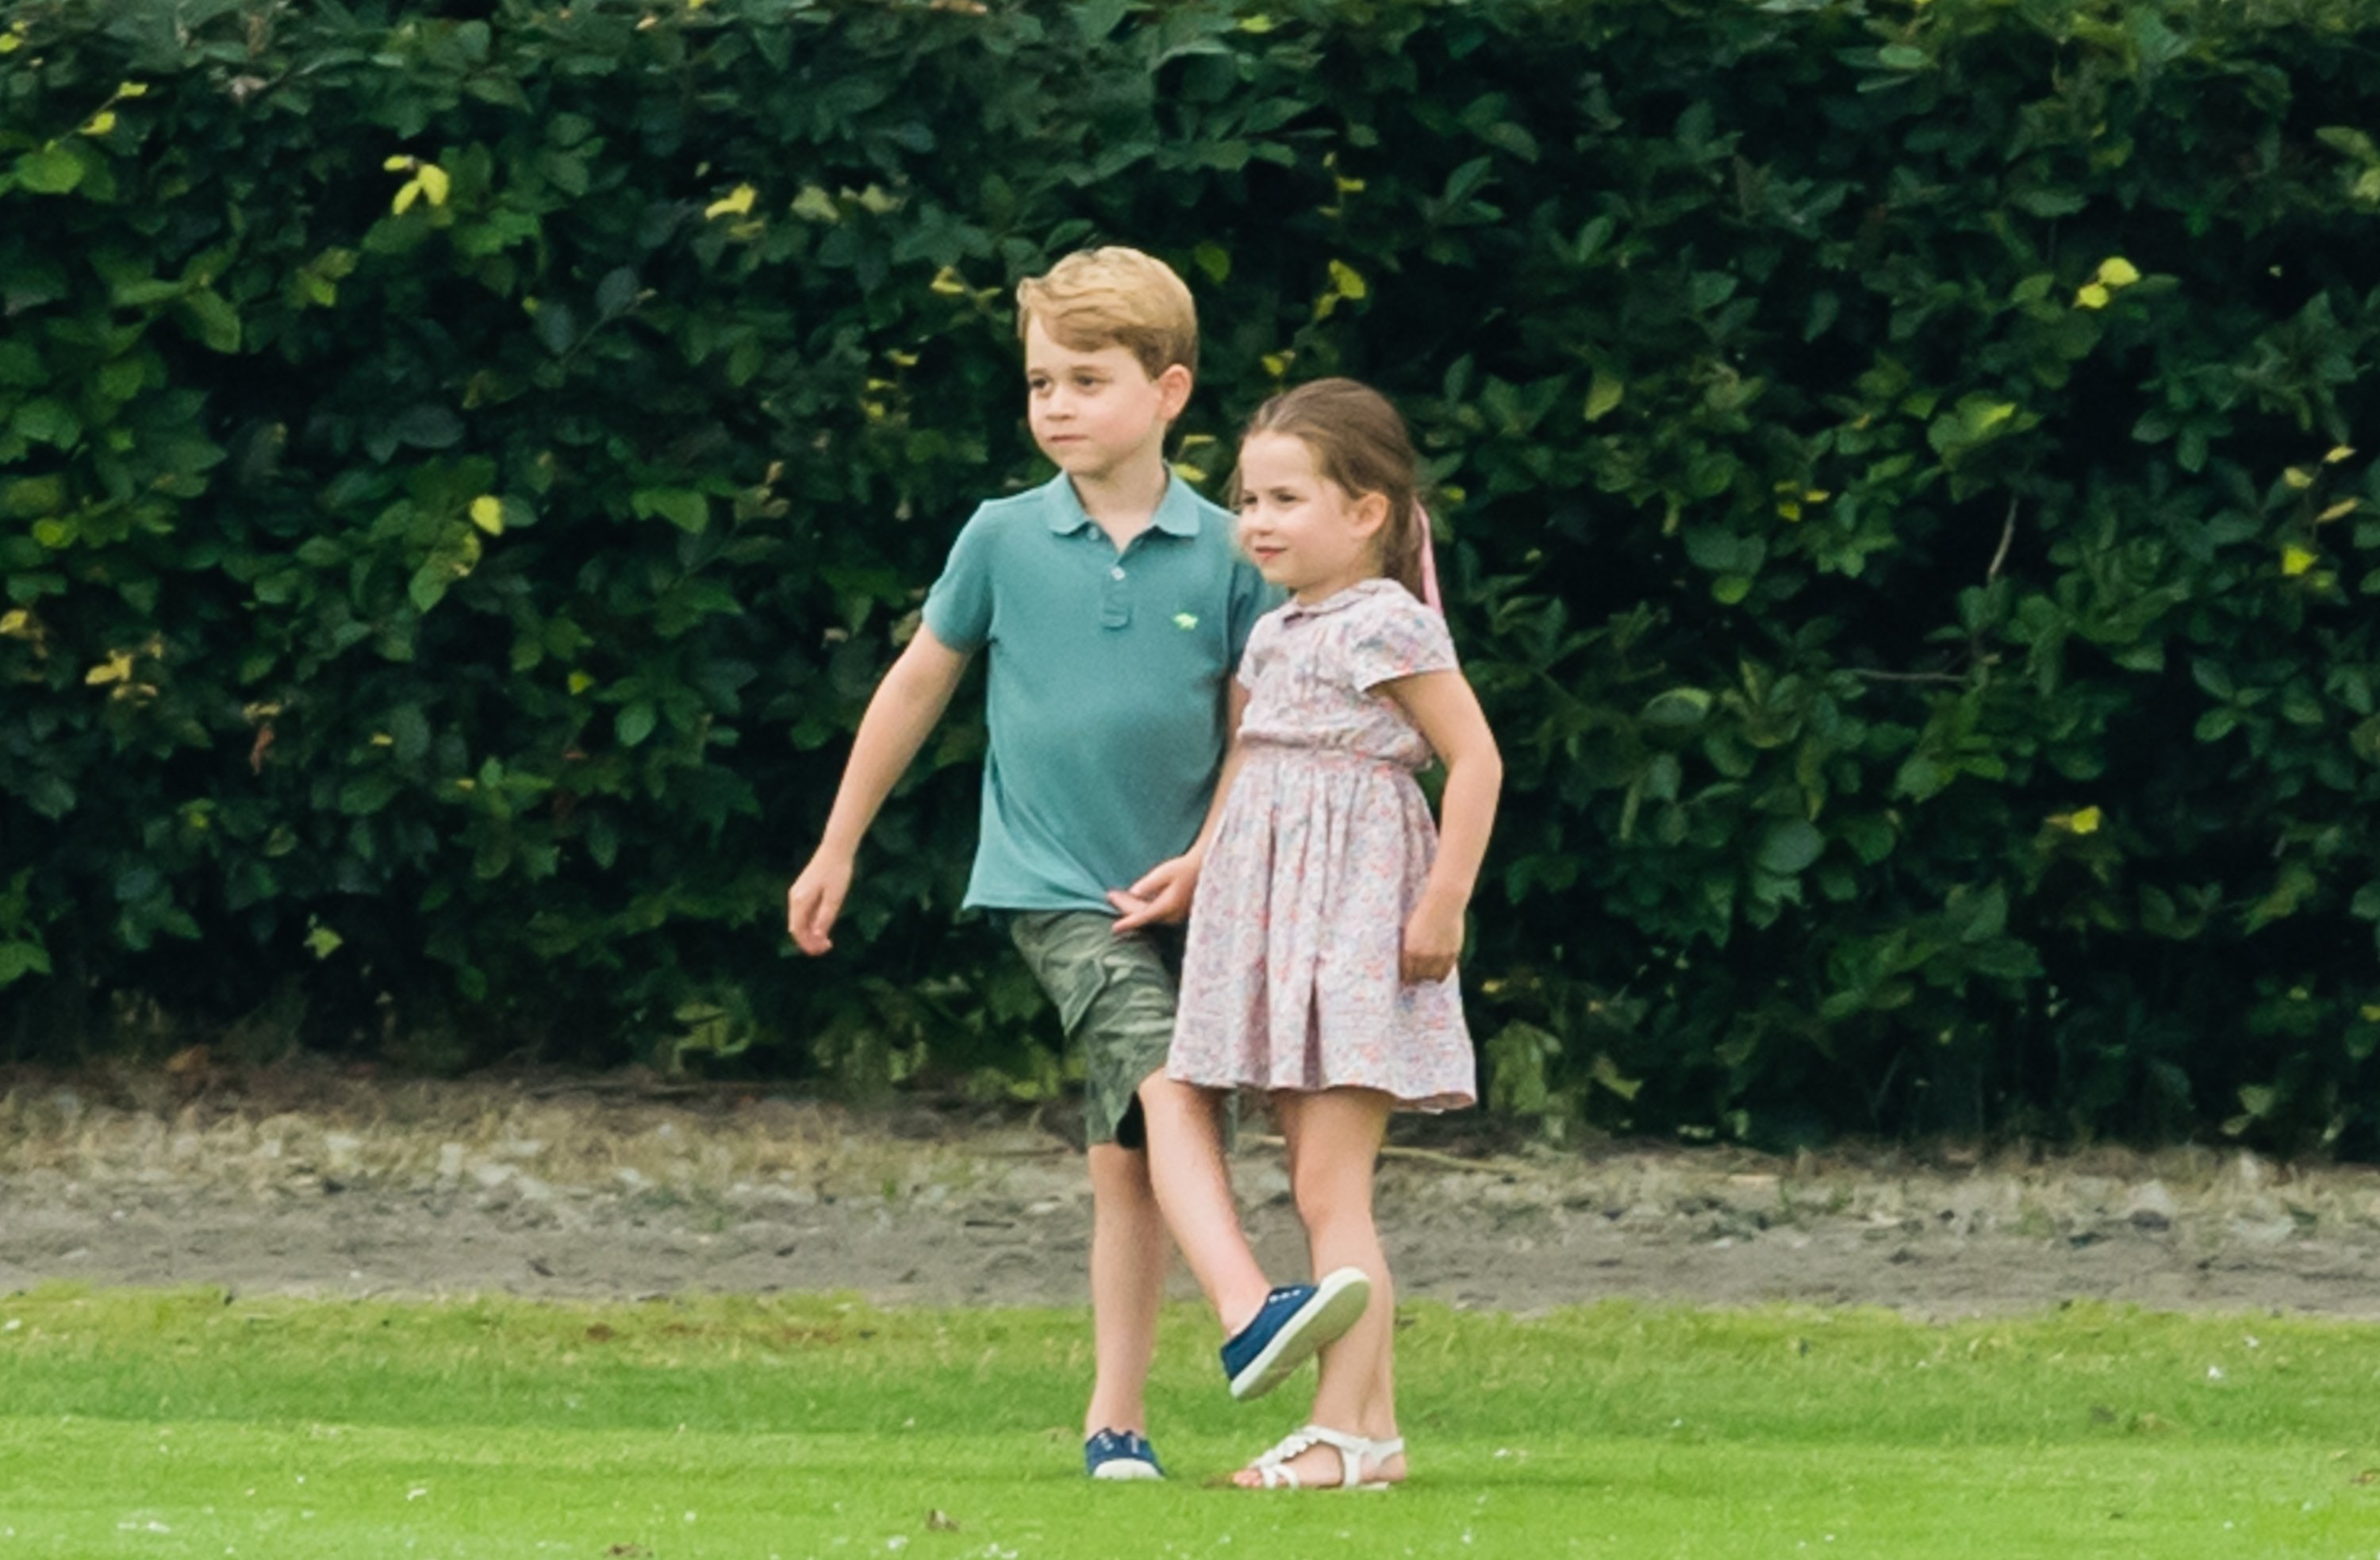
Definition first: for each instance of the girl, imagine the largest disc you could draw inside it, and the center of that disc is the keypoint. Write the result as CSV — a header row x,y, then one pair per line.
x,y
1328,910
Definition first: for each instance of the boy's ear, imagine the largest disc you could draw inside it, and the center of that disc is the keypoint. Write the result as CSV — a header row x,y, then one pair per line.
x,y
1173,390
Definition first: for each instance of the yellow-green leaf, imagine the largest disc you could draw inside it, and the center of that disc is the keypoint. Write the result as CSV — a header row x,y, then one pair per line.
x,y
1603,394
117,667
2296,560
100,123
487,514
2118,271
737,202
2298,477
2091,295
2341,452
2340,510
433,182
1346,281
410,192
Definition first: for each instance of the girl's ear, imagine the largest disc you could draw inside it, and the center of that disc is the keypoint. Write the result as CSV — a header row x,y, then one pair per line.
x,y
1371,512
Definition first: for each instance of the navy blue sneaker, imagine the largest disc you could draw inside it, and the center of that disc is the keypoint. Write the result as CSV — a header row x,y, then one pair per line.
x,y
1296,1321
1121,1454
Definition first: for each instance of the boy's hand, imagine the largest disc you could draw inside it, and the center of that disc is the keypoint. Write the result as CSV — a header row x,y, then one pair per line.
x,y
816,899
1162,895
1433,942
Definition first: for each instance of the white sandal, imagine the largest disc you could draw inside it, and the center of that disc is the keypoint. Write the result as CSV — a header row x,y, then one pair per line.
x,y
1353,1451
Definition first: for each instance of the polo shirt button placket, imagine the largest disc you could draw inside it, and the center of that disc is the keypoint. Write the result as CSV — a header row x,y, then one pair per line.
x,y
1115,611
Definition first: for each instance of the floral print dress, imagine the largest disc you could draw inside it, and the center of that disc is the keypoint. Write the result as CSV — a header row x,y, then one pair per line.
x,y
1291,979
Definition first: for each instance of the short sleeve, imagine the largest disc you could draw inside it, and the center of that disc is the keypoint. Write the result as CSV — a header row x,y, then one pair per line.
x,y
1394,635
1257,649
958,609
1251,599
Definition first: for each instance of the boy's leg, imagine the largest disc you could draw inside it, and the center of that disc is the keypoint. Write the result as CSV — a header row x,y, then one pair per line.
x,y
1185,1166
1128,1260
1115,995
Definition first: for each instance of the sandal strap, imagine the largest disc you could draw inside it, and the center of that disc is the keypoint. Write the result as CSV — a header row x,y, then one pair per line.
x,y
1354,1450
1278,1476
1287,1447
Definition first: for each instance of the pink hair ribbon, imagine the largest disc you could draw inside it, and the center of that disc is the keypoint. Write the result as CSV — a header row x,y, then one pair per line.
x,y
1429,562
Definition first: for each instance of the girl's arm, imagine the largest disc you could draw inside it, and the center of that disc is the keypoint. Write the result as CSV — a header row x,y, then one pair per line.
x,y
1448,713
1164,892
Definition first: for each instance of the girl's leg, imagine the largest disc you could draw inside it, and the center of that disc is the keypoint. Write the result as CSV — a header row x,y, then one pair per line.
x,y
1128,1258
1334,1141
1185,1169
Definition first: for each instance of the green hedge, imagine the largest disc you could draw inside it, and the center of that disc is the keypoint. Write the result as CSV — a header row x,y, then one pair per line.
x,y
464,467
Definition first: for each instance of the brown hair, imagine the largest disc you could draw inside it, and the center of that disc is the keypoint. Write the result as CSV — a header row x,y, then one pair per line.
x,y
1360,445
1114,297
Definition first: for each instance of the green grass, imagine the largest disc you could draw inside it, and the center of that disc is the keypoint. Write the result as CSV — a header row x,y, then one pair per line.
x,y
187,1424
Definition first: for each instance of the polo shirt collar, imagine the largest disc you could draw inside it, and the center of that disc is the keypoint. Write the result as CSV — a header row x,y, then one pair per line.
x,y
1177,512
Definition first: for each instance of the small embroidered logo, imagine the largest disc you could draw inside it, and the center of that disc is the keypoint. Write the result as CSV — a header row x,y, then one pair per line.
x,y
1185,620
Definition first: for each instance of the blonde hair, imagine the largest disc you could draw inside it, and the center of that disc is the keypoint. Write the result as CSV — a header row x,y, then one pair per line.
x,y
1114,297
1360,445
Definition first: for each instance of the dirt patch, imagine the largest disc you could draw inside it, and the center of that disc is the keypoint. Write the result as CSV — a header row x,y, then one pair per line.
x,y
626,1188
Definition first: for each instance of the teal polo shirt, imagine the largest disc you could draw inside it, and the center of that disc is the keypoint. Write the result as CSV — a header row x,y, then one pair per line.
x,y
1105,687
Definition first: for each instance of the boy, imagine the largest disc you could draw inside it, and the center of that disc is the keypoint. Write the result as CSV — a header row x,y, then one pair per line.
x,y
1115,607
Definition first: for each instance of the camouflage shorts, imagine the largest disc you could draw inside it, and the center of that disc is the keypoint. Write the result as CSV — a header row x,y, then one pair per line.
x,y
1114,995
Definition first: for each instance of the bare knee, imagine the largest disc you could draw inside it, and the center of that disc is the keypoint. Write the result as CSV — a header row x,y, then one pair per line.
x,y
1331,1195
1119,1176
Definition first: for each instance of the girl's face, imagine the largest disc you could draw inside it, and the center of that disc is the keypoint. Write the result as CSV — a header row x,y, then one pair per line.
x,y
1305,532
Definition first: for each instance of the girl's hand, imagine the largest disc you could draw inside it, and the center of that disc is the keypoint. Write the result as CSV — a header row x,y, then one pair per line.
x,y
1162,895
1433,941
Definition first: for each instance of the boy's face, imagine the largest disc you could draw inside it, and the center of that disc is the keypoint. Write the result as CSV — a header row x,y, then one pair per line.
x,y
1097,414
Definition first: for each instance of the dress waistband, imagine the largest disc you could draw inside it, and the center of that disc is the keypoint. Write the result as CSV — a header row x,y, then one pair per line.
x,y
1321,757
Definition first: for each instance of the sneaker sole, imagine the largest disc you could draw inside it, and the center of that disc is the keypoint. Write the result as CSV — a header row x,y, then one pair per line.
x,y
1121,1471
1337,1304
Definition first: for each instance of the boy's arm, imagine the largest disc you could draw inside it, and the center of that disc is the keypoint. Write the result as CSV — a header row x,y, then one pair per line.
x,y
1443,706
1164,892
900,716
